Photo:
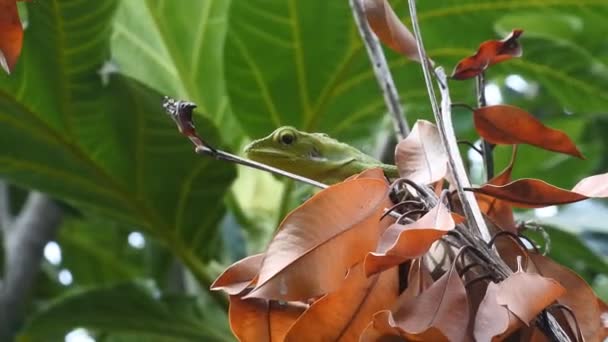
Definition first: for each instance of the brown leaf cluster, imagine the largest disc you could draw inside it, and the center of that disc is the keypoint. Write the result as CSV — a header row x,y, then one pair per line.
x,y
331,274
365,260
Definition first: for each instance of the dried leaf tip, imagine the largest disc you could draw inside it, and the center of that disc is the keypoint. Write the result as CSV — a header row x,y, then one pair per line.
x,y
489,53
181,113
389,28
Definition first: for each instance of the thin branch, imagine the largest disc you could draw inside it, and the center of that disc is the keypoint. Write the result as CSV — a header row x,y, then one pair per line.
x,y
448,136
6,217
488,155
381,70
221,155
32,230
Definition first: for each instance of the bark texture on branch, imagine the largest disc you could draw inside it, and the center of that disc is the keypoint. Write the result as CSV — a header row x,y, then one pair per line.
x,y
24,241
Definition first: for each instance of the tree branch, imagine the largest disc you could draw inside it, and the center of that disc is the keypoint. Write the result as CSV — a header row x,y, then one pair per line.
x,y
488,156
471,208
6,217
443,117
24,241
381,70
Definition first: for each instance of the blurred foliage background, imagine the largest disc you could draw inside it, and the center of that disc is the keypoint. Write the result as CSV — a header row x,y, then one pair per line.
x,y
150,224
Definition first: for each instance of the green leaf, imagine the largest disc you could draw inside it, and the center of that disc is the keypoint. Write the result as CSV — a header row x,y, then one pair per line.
x,y
134,308
302,63
177,49
108,147
97,252
299,63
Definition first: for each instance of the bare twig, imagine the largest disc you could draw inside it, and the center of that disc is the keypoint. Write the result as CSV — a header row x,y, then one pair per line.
x,y
448,137
380,67
471,208
24,242
6,218
221,155
488,155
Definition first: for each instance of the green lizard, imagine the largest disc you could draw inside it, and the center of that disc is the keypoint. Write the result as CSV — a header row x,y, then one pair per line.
x,y
313,155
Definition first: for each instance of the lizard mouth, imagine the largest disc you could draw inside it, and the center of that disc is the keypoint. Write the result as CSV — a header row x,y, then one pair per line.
x,y
252,151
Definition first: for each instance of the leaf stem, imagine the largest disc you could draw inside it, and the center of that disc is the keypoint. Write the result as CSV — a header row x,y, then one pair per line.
x,y
381,70
488,148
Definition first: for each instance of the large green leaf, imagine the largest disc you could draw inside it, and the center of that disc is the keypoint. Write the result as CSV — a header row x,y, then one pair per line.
x,y
104,147
302,62
97,252
177,48
136,308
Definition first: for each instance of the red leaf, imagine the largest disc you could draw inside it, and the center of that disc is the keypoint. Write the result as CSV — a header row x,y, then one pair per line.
x,y
527,294
236,278
489,53
389,29
344,314
534,193
11,35
257,319
530,193
494,322
421,156
319,241
400,243
508,125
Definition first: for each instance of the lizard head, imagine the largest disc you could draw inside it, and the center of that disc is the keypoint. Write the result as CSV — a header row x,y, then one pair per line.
x,y
312,155
286,146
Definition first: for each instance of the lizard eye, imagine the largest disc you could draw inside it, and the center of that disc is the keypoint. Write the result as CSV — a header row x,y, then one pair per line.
x,y
287,137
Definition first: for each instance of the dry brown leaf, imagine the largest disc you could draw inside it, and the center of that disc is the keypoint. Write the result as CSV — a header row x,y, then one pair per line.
x,y
527,294
400,243
344,314
375,173
256,319
389,29
494,322
438,314
530,193
381,328
534,334
236,278
320,240
489,53
593,186
11,35
508,125
579,296
421,156
534,193
441,310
